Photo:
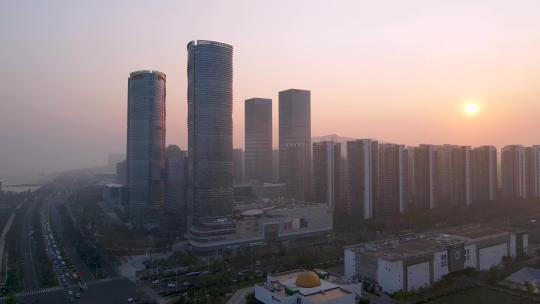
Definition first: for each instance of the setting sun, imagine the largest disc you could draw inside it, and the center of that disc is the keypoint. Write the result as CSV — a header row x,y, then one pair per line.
x,y
471,108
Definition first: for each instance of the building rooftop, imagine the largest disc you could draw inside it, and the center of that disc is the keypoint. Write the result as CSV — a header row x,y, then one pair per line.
x,y
307,283
411,245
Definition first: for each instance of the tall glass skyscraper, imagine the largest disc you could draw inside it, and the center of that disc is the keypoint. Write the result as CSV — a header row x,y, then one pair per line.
x,y
258,130
146,147
295,133
210,171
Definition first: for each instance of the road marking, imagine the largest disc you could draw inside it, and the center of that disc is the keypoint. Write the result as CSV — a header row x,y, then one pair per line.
x,y
38,291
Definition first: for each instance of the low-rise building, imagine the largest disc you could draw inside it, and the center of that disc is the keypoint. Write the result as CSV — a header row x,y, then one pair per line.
x,y
259,222
307,287
415,261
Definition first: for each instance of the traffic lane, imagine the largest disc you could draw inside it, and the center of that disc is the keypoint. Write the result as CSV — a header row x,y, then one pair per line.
x,y
69,249
29,278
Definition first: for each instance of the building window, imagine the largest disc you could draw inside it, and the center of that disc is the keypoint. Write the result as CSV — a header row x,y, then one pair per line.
x,y
444,261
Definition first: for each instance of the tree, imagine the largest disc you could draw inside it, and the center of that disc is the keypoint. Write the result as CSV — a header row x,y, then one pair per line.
x,y
250,299
10,299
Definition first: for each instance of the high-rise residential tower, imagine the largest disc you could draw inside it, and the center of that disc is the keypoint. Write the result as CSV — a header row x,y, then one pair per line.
x,y
393,170
210,101
513,172
146,147
461,176
484,174
258,154
362,178
327,173
425,172
295,130
532,155
444,173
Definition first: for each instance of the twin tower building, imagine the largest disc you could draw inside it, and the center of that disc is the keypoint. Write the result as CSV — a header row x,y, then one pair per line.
x,y
208,186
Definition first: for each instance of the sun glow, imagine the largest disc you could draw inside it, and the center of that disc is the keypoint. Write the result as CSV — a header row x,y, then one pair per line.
x,y
471,108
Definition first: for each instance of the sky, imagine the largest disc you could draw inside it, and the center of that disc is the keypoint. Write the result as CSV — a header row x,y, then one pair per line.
x,y
398,71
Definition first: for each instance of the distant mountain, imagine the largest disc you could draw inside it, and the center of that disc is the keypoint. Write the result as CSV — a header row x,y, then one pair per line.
x,y
332,137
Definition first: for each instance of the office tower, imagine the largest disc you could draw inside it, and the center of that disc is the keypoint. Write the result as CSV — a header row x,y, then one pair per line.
x,y
444,174
513,173
532,155
362,171
326,173
294,155
295,128
238,166
275,165
461,176
146,147
393,170
258,124
425,171
176,189
121,172
484,174
210,97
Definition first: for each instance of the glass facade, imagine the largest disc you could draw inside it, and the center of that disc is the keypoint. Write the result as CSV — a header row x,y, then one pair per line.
x,y
146,146
210,171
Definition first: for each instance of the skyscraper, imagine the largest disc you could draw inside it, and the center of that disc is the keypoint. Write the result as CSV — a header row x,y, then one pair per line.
x,y
484,174
176,196
362,176
294,174
210,97
532,155
425,172
294,129
393,164
461,176
258,155
238,166
444,174
146,147
327,173
275,165
513,173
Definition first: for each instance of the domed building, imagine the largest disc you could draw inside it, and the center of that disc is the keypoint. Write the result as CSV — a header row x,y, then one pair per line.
x,y
308,279
307,287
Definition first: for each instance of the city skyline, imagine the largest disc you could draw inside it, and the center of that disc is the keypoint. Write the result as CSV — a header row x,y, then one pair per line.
x,y
469,52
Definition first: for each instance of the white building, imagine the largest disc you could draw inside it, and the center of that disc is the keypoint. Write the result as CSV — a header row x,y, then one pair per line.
x,y
307,287
412,261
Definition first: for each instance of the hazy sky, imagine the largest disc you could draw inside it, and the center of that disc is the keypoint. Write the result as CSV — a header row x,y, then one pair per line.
x,y
398,71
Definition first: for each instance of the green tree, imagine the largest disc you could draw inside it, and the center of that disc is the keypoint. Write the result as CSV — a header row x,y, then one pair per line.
x,y
250,299
10,299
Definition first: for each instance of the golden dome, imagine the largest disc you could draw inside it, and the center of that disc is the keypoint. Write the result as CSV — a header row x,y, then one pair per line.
x,y
308,279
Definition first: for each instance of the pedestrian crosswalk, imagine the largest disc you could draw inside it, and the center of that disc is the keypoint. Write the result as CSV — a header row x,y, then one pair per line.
x,y
38,291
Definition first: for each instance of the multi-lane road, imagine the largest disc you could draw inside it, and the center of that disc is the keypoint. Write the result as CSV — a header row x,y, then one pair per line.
x,y
114,289
27,236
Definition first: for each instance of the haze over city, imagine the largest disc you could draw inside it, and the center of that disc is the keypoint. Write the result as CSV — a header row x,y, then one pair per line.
x,y
397,71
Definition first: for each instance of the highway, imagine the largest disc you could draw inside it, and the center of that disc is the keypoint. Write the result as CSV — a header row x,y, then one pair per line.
x,y
112,290
29,272
85,272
